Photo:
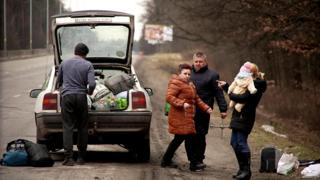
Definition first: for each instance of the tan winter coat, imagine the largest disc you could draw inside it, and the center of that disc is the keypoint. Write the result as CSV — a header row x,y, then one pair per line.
x,y
180,92
240,86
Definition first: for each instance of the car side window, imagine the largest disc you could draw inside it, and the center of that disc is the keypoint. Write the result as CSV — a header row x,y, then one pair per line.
x,y
46,81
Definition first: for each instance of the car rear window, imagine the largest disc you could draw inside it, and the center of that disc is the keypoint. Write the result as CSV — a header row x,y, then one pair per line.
x,y
106,41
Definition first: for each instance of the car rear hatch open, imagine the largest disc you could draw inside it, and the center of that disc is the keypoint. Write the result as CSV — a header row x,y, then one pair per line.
x,y
108,34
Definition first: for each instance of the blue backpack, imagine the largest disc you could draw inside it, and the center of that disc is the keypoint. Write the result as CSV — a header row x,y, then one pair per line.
x,y
16,154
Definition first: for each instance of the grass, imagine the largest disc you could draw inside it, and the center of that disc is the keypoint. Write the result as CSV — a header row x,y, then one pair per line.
x,y
302,149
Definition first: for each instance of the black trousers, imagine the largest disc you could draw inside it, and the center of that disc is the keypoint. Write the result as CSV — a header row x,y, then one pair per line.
x,y
74,108
189,141
202,120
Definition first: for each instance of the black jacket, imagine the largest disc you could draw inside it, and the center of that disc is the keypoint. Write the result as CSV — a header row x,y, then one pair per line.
x,y
244,120
207,87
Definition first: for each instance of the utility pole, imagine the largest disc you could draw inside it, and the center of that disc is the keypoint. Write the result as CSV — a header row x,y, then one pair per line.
x,y
47,26
60,7
30,25
5,27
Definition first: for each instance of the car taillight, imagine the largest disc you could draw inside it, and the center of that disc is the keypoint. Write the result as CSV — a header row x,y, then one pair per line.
x,y
49,102
138,100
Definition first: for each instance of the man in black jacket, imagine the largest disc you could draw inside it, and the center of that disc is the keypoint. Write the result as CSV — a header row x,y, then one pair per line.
x,y
205,81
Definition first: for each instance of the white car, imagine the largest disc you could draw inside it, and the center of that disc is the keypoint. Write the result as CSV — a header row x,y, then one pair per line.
x,y
109,36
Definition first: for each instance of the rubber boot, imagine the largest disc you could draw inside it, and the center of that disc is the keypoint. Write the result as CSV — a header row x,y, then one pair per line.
x,y
239,164
245,161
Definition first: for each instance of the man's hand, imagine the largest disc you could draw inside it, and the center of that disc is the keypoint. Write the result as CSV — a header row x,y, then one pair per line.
x,y
209,111
221,83
223,115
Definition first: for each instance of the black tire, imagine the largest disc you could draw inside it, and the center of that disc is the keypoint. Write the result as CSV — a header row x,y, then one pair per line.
x,y
143,151
50,146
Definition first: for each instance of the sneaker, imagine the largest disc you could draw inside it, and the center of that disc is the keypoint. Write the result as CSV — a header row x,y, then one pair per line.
x,y
202,165
171,164
80,161
196,167
68,162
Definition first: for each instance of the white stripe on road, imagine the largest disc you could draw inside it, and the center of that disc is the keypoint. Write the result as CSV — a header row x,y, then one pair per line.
x,y
17,95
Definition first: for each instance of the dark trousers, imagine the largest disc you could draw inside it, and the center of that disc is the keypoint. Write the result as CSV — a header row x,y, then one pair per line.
x,y
202,120
74,109
239,142
241,149
189,141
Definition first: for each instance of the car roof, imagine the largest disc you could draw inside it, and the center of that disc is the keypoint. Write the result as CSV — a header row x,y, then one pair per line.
x,y
92,13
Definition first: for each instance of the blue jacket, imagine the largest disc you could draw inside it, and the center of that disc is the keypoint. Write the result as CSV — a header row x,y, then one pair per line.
x,y
75,75
205,81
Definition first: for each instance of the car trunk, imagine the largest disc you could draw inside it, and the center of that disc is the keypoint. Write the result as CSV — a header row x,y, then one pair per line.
x,y
113,91
113,87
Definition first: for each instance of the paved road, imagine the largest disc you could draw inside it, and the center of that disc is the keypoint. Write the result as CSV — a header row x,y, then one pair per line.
x,y
16,108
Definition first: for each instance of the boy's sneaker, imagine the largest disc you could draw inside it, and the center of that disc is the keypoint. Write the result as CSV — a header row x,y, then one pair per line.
x,y
80,161
68,162
196,167
202,165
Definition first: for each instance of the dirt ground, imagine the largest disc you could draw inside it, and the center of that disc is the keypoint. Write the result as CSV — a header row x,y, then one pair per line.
x,y
155,71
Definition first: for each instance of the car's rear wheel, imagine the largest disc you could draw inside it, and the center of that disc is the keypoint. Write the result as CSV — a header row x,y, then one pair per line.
x,y
140,150
143,151
50,145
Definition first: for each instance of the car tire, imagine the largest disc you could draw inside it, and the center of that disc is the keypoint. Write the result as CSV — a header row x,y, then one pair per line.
x,y
50,146
143,151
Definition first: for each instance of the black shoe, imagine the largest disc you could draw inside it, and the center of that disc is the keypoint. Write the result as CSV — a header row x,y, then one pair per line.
x,y
202,165
170,164
68,162
244,175
80,161
235,175
196,167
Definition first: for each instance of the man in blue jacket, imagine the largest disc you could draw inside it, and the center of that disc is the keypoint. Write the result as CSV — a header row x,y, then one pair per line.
x,y
76,79
205,81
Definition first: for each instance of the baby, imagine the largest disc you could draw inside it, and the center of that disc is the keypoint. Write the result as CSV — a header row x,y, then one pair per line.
x,y
242,82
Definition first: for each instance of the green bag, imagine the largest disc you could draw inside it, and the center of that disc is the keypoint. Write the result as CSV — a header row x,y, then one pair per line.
x,y
166,109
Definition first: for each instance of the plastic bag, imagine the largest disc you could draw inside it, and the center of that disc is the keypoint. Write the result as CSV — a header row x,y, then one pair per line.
x,y
120,82
287,164
99,92
312,171
167,109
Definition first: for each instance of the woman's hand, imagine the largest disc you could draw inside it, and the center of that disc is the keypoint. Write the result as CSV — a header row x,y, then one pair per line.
x,y
186,105
209,111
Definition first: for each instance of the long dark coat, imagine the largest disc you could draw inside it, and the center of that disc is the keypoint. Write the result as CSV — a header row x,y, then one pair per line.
x,y
244,120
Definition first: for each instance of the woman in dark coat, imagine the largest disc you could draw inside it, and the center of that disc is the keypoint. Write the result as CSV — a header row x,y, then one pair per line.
x,y
182,97
242,122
